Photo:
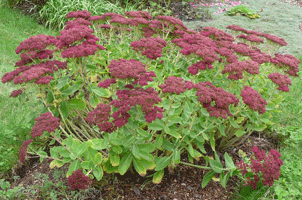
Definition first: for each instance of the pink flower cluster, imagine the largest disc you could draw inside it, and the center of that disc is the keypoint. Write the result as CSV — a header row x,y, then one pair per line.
x,y
23,150
282,80
100,116
16,93
175,85
151,47
288,61
227,53
46,122
217,33
78,180
36,43
77,22
79,14
207,93
29,56
146,98
135,69
259,57
171,22
240,48
198,44
236,69
78,33
269,166
106,83
273,38
201,65
251,37
35,72
253,99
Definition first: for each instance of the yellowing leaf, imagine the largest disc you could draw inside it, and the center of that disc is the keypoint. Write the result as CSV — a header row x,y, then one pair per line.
x,y
158,176
215,179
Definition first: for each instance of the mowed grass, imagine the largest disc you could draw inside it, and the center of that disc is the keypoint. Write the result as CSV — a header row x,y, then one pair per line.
x,y
15,113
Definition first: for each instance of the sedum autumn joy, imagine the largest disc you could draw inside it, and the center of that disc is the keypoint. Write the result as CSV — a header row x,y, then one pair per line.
x,y
134,91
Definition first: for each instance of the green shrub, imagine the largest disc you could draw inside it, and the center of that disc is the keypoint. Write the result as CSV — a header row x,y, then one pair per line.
x,y
132,102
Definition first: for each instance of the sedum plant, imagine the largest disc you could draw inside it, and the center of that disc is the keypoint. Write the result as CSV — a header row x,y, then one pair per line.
x,y
134,91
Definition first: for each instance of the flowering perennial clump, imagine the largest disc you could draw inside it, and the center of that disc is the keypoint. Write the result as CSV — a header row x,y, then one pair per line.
x,y
208,93
175,85
46,122
151,47
282,80
68,94
268,166
78,180
253,99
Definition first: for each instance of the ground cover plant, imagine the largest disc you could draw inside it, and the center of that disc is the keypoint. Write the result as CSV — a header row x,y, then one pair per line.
x,y
243,10
78,88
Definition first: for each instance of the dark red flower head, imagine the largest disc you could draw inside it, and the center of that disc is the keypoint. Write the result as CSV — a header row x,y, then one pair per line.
x,y
36,43
236,28
151,47
146,98
15,93
23,150
176,85
208,93
106,83
124,69
253,99
77,22
79,14
78,180
282,80
100,116
46,122
236,69
287,61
